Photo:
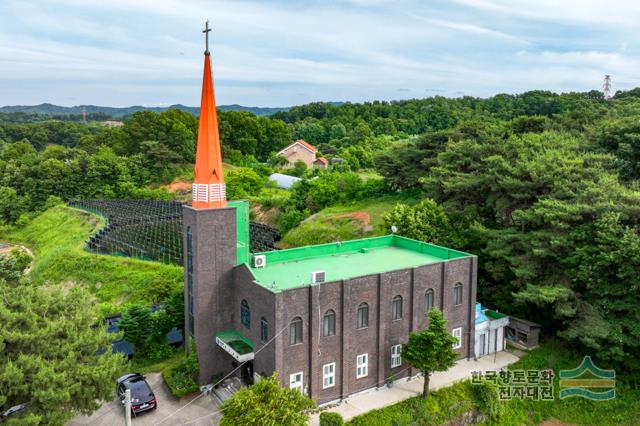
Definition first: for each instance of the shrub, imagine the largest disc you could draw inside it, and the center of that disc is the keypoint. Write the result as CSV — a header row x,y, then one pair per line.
x,y
181,378
486,395
290,219
330,419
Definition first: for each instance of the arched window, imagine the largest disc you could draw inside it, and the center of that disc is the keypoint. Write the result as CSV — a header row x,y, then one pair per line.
x,y
295,331
264,330
396,308
245,314
457,294
190,303
329,323
428,300
363,316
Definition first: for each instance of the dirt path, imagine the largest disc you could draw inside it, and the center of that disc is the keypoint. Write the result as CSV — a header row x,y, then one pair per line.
x,y
5,248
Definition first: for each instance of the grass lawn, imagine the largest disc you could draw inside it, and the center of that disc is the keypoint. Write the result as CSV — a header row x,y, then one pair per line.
x,y
445,405
341,223
57,239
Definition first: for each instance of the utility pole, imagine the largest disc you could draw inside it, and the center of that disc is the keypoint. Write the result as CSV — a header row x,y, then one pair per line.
x,y
606,87
127,407
84,115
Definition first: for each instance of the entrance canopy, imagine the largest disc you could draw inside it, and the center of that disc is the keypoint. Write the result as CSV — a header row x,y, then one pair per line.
x,y
235,345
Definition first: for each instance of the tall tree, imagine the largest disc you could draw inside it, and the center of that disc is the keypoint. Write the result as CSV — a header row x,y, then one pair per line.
x,y
431,350
52,356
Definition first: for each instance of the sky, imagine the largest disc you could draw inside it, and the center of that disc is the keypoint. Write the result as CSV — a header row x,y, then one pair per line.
x,y
283,53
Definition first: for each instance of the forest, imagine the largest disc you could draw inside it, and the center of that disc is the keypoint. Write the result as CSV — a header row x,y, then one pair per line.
x,y
543,187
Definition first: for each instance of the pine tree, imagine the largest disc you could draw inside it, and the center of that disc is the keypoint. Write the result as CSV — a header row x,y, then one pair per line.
x,y
431,349
52,356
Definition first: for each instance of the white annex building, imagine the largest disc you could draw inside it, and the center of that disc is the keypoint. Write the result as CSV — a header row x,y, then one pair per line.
x,y
489,335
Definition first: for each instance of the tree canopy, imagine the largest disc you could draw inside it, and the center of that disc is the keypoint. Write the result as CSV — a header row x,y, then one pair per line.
x,y
54,356
266,403
431,349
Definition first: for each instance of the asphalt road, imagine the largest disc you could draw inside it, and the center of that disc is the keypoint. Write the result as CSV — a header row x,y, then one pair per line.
x,y
198,413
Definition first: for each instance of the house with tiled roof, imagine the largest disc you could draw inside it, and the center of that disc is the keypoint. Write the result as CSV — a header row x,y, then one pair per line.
x,y
302,150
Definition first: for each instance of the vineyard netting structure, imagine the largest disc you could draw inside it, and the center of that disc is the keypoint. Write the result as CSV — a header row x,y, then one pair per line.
x,y
151,229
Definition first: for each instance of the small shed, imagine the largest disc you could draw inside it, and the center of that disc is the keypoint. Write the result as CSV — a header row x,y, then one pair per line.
x,y
284,181
522,333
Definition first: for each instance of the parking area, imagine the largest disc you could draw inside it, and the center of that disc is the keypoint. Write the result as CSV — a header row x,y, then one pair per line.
x,y
197,413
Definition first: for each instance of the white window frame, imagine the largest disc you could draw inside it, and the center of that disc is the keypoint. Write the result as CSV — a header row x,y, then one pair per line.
x,y
362,366
329,375
457,333
396,356
294,383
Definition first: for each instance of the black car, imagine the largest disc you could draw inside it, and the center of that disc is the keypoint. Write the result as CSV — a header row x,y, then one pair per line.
x,y
142,397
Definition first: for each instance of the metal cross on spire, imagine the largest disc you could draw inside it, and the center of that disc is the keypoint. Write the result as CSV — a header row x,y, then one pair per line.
x,y
206,37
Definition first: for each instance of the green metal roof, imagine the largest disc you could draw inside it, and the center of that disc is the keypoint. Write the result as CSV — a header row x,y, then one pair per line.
x,y
287,269
236,341
494,314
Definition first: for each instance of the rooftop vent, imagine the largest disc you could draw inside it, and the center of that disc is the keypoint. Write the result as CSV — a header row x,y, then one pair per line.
x,y
317,277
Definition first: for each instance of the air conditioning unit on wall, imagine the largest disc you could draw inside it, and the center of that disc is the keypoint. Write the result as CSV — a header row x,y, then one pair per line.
x,y
317,277
259,261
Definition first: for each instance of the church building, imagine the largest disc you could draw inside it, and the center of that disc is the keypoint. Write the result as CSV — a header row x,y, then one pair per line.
x,y
330,319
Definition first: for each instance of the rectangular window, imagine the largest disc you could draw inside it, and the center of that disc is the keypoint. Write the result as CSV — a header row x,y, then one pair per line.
x,y
428,301
328,375
363,316
362,366
264,330
457,292
396,357
457,333
396,308
190,279
295,382
329,324
295,332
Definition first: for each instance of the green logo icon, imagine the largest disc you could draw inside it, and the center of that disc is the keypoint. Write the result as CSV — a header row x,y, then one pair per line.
x,y
588,381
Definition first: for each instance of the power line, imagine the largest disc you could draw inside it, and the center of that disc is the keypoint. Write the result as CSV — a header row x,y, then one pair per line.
x,y
219,381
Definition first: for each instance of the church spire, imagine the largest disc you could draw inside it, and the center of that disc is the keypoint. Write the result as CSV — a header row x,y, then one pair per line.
x,y
208,189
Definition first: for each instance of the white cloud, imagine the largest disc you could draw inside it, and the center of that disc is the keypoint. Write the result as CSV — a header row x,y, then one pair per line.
x,y
274,53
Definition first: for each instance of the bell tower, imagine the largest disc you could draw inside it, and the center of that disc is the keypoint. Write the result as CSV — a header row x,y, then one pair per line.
x,y
210,241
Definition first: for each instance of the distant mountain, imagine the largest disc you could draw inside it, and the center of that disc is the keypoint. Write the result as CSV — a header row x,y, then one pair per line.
x,y
52,110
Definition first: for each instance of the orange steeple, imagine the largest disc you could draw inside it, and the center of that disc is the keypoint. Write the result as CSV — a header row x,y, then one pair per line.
x,y
208,189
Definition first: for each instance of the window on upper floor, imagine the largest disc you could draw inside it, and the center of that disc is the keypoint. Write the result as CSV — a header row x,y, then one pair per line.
x,y
457,294
362,320
396,308
190,284
264,330
428,300
295,331
245,314
329,323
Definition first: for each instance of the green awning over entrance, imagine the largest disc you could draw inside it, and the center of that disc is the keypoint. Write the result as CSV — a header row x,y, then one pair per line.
x,y
235,344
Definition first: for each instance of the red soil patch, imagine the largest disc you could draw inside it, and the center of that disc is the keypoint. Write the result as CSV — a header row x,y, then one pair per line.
x,y
361,216
178,186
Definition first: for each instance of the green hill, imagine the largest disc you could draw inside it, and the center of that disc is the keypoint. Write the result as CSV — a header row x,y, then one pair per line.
x,y
361,219
117,112
57,239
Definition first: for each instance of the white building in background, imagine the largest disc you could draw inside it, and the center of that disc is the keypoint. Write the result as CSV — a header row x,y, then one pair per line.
x,y
283,181
489,335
